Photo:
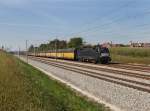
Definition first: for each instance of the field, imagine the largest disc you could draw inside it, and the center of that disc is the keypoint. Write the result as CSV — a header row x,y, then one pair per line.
x,y
23,88
130,55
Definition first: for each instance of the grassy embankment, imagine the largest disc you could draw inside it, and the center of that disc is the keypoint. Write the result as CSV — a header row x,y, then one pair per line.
x,y
23,88
131,55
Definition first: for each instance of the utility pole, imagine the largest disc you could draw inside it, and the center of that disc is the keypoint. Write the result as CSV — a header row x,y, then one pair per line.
x,y
19,52
2,47
34,50
56,49
27,50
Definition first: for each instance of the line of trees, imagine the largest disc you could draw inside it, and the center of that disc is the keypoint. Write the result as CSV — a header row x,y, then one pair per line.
x,y
58,44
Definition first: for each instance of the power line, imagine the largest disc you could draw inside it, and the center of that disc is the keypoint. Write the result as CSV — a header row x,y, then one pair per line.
x,y
118,9
27,50
117,20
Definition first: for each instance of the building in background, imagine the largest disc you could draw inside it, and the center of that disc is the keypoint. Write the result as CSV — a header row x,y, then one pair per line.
x,y
131,44
110,44
146,45
139,44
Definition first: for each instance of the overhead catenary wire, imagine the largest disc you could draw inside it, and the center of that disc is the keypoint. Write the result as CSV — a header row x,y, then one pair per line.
x,y
117,21
102,27
113,20
109,13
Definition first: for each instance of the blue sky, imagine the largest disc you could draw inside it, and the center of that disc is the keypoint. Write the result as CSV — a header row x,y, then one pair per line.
x,y
96,21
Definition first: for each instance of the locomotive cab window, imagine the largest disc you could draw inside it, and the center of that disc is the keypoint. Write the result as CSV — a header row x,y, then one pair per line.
x,y
104,50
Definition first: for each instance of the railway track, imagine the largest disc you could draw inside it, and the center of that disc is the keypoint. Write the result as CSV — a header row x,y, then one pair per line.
x,y
141,68
132,67
113,76
117,72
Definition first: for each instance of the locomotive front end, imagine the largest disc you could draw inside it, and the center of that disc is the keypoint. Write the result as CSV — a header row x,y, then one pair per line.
x,y
104,55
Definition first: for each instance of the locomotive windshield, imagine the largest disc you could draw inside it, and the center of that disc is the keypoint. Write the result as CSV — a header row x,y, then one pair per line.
x,y
104,50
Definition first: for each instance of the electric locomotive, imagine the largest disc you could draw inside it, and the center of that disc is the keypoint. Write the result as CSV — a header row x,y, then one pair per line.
x,y
97,54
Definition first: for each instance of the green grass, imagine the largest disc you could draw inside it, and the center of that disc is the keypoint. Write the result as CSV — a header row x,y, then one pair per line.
x,y
131,55
23,88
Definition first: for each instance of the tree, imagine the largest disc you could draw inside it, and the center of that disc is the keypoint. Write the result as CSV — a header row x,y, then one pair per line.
x,y
31,48
43,47
2,47
53,44
75,42
62,44
56,43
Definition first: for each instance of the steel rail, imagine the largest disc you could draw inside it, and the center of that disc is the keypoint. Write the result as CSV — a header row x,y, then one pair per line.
x,y
135,75
101,76
132,67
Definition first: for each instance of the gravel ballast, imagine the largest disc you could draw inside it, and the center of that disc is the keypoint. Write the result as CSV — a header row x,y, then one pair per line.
x,y
124,98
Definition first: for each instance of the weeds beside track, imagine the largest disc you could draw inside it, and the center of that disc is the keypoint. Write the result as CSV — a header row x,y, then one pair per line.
x,y
23,88
130,55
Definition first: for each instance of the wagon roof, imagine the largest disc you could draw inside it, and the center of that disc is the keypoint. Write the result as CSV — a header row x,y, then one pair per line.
x,y
63,50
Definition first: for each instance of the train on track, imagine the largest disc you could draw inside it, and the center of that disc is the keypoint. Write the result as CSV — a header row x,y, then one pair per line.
x,y
97,54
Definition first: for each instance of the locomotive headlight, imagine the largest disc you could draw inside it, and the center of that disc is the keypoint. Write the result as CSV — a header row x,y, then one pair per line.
x,y
104,54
